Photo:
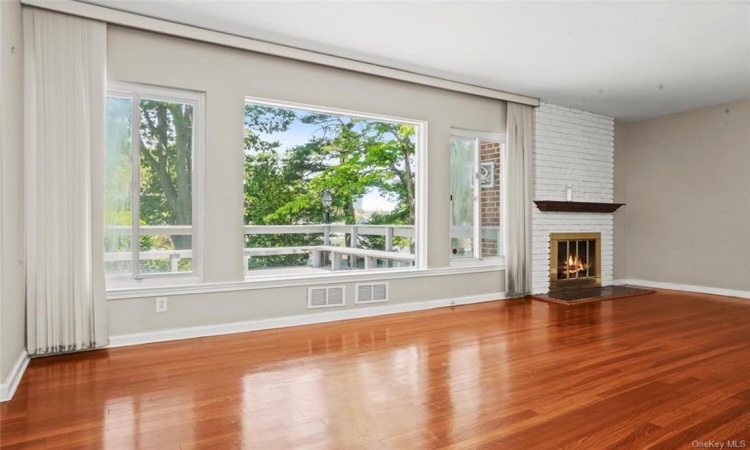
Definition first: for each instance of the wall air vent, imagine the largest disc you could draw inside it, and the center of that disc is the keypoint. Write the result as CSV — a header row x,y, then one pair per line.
x,y
372,293
325,297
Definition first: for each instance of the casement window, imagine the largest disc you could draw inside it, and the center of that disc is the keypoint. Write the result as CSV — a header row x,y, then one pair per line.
x,y
152,179
328,191
475,168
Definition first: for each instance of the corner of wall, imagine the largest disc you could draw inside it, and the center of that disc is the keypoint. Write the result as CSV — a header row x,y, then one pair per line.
x,y
2,257
12,254
11,381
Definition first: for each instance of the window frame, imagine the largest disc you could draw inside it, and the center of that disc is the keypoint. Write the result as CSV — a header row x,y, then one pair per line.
x,y
478,137
420,177
136,92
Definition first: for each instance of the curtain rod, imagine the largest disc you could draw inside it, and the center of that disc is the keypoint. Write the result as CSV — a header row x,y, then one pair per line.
x,y
160,26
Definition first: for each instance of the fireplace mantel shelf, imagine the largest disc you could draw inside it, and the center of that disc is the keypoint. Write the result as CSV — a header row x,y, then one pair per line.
x,y
584,207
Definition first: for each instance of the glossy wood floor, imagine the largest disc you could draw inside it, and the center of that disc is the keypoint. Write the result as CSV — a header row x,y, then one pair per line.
x,y
658,371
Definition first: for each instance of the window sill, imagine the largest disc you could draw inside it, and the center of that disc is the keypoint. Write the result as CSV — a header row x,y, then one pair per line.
x,y
257,282
119,283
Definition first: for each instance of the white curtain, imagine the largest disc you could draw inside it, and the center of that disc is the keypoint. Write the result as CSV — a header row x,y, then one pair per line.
x,y
65,93
517,211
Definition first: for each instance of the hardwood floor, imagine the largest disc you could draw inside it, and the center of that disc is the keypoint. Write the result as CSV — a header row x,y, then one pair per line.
x,y
664,371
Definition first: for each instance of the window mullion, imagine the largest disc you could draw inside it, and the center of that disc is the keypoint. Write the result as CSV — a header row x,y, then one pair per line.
x,y
477,202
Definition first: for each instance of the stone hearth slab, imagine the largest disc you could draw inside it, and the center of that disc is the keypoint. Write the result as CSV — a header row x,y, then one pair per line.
x,y
591,294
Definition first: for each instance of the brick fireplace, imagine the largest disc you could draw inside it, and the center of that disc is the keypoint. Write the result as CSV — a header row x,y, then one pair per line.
x,y
576,148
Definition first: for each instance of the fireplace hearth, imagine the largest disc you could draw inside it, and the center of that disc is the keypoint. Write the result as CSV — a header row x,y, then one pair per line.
x,y
575,261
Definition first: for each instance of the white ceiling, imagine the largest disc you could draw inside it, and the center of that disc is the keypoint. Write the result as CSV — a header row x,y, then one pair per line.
x,y
627,60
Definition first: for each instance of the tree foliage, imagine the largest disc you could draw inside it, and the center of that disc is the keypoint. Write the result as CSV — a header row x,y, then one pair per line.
x,y
166,166
282,186
268,188
349,156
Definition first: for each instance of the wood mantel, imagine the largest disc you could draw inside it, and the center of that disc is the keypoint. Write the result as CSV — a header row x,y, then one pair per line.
x,y
583,207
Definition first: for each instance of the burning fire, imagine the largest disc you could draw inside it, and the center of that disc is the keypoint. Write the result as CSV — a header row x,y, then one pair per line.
x,y
573,265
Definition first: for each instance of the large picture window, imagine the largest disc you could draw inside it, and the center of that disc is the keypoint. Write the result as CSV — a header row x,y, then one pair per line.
x,y
328,191
153,143
475,195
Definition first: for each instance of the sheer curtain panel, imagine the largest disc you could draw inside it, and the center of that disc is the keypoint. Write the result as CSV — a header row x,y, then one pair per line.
x,y
65,91
517,212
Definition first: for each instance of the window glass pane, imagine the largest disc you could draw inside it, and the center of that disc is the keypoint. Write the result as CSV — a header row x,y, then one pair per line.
x,y
166,194
489,153
462,197
367,166
117,187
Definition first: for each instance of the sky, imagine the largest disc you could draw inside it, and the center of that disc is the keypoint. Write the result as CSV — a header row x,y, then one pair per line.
x,y
299,133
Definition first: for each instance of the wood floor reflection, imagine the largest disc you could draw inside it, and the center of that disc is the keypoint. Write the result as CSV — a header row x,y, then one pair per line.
x,y
661,370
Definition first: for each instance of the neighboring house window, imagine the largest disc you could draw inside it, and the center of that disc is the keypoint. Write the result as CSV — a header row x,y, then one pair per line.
x,y
365,169
475,195
150,183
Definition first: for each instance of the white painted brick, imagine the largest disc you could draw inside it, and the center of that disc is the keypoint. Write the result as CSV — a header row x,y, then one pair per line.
x,y
576,147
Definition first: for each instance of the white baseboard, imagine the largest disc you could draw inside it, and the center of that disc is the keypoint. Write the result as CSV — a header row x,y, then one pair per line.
x,y
124,340
8,388
685,287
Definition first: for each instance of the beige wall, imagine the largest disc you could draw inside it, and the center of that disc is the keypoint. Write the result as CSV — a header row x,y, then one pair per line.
x,y
686,181
227,76
137,315
12,284
620,249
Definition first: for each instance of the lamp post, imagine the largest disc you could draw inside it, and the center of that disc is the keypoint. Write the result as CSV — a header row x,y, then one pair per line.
x,y
327,202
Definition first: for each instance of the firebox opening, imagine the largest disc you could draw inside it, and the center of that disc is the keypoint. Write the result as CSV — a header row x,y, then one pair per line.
x,y
574,261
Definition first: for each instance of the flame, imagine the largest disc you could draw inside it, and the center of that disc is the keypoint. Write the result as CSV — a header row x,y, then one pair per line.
x,y
573,265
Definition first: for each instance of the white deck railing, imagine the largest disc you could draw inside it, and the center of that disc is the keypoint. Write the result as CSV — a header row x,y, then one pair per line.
x,y
353,251
328,231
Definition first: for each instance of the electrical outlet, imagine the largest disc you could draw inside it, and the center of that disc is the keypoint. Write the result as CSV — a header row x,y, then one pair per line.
x,y
161,304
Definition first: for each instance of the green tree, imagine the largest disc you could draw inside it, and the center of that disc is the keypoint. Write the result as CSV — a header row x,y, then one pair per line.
x,y
166,150
269,188
349,156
